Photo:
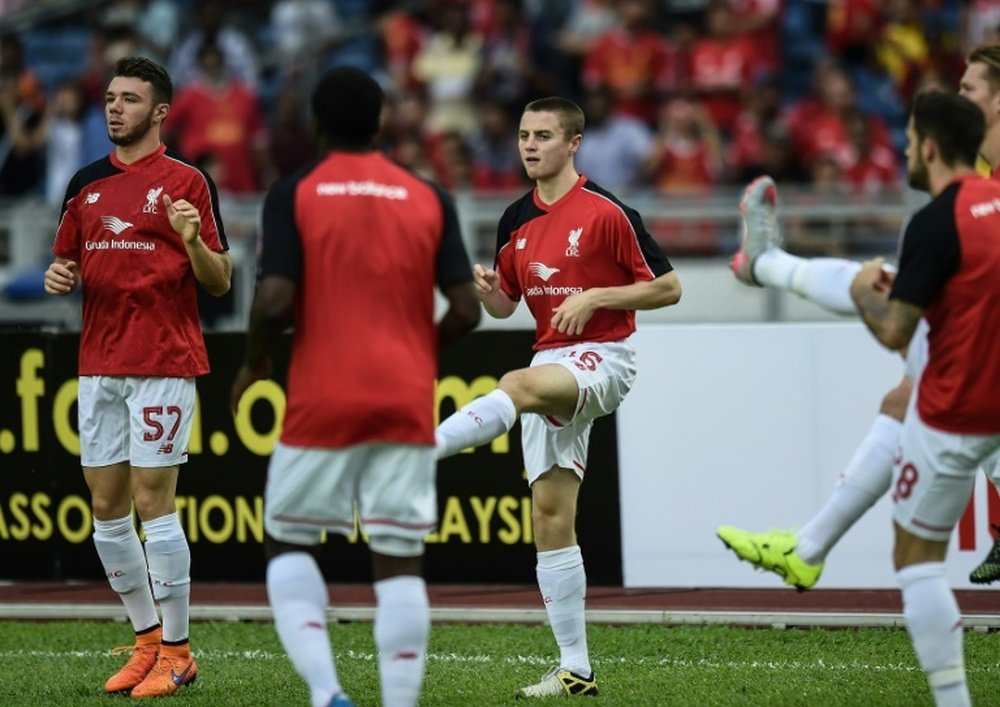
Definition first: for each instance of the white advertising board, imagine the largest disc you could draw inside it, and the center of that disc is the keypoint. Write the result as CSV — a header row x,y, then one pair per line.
x,y
750,425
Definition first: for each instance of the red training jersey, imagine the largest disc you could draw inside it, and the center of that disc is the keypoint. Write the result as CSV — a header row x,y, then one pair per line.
x,y
140,306
948,266
588,238
366,241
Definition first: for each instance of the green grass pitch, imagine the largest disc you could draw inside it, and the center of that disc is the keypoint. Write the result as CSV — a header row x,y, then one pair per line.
x,y
65,663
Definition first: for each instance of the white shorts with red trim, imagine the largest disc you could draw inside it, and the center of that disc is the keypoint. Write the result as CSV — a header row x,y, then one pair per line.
x,y
933,476
917,351
144,421
604,373
310,490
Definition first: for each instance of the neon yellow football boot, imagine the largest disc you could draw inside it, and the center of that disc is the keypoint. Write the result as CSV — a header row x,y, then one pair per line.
x,y
773,551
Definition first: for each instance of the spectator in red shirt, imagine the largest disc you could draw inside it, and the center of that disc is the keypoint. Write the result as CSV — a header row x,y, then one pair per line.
x,y
757,21
817,123
687,153
721,63
217,114
634,60
760,110
869,167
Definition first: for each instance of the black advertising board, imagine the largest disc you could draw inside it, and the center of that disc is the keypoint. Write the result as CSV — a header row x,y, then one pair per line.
x,y
484,533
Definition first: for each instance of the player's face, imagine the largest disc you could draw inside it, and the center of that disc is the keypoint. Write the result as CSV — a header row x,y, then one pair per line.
x,y
129,110
545,149
975,86
915,166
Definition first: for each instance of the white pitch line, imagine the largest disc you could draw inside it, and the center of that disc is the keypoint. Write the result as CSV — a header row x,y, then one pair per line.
x,y
460,658
444,614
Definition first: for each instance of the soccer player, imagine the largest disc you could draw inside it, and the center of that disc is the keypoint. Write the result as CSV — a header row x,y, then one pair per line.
x,y
798,556
139,229
948,276
583,262
352,249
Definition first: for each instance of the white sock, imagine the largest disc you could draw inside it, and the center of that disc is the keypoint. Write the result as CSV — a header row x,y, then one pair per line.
x,y
479,422
563,583
169,559
865,479
823,281
120,550
935,626
402,627
298,598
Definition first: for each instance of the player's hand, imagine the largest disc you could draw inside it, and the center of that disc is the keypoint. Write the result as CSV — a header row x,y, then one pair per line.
x,y
572,315
486,280
184,218
245,377
886,276
62,278
874,276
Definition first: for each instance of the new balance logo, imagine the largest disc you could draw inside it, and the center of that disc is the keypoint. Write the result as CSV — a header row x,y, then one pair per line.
x,y
92,197
165,448
542,271
115,224
521,242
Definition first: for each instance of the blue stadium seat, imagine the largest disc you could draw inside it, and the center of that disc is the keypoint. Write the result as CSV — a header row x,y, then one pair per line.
x,y
56,54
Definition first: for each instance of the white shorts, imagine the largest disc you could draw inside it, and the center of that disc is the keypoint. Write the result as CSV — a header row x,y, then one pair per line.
x,y
917,352
144,421
310,490
933,476
604,373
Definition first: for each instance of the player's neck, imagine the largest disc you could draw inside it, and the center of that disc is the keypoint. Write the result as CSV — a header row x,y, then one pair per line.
x,y
941,177
554,188
127,154
990,149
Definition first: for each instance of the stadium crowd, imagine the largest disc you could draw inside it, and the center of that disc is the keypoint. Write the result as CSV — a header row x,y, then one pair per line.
x,y
680,95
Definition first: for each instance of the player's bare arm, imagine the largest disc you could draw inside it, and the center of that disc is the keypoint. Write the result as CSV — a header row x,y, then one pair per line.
x,y
487,283
271,313
463,313
874,275
572,315
891,321
213,270
62,277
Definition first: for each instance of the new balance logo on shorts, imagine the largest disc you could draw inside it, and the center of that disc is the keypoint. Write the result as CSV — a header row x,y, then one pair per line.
x,y
165,448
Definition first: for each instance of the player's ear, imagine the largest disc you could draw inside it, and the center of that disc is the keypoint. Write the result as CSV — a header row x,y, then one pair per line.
x,y
928,149
161,111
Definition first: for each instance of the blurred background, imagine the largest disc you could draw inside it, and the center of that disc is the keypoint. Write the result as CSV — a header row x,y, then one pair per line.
x,y
686,100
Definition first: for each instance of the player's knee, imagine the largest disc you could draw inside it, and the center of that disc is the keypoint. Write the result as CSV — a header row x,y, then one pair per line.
x,y
395,546
895,402
517,385
107,506
274,547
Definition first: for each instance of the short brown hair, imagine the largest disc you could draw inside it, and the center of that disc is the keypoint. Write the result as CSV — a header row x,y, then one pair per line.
x,y
954,122
989,55
570,115
139,67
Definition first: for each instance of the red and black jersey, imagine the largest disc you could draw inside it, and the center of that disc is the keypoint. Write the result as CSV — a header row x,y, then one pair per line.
x,y
140,306
950,267
588,238
366,242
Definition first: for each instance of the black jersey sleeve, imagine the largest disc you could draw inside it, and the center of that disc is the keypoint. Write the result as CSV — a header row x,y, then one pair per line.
x,y
930,252
280,245
452,259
